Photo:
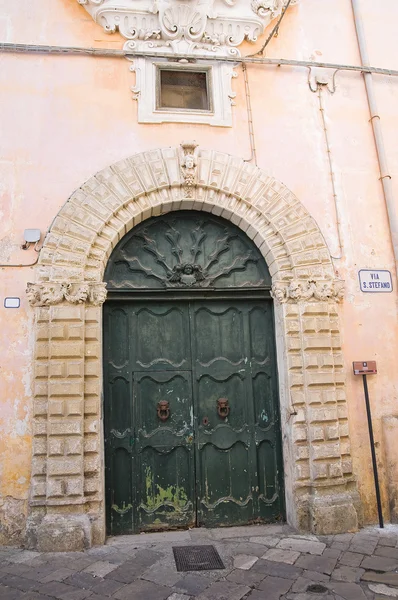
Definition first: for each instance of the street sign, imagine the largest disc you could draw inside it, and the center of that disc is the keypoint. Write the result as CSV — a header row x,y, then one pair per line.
x,y
375,280
367,367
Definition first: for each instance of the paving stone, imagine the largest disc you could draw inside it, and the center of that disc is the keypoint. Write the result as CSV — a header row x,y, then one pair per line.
x,y
143,590
34,596
387,578
76,594
348,591
343,537
266,540
82,580
58,575
23,556
302,545
57,589
283,556
163,575
379,563
351,559
106,587
385,590
13,569
250,578
344,573
119,558
340,546
38,573
248,548
275,586
134,568
175,596
317,563
224,590
7,593
244,561
387,551
20,583
332,553
309,596
316,576
276,569
248,531
145,539
100,568
192,584
388,540
79,564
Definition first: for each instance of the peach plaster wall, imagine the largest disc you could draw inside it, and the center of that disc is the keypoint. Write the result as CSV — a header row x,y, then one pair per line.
x,y
63,118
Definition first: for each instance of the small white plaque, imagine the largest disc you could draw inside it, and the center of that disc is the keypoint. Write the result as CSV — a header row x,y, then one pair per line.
x,y
12,302
375,280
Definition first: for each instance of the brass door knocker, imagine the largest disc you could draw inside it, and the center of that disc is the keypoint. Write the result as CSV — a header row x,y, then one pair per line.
x,y
223,407
163,410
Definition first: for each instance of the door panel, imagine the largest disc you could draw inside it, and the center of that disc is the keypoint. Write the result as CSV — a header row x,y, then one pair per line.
x,y
164,450
118,420
269,500
224,456
161,339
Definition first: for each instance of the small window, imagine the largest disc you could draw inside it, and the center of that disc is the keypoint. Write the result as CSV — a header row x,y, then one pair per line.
x,y
184,90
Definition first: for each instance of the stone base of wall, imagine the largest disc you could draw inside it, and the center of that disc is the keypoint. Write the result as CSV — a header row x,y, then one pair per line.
x,y
55,533
334,513
321,515
12,521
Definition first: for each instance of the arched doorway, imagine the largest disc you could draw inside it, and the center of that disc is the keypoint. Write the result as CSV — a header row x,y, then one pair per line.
x,y
67,489
192,433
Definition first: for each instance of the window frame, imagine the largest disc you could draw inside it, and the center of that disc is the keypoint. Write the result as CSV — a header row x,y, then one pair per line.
x,y
184,69
145,90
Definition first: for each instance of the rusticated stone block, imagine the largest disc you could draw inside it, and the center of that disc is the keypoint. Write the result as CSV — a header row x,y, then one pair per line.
x,y
56,446
66,349
64,466
325,450
65,427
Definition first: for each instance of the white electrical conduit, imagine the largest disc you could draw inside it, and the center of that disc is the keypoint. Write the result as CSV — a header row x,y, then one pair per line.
x,y
385,177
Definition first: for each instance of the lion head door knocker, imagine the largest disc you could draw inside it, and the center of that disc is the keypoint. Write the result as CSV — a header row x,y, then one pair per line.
x,y
163,410
223,407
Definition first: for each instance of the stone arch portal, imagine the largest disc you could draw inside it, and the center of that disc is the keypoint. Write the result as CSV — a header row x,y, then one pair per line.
x,y
66,507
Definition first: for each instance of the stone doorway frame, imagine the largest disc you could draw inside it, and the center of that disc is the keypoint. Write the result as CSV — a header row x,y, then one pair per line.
x,y
66,505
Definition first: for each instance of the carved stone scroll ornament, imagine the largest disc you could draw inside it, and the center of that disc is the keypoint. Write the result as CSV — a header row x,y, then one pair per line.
x,y
49,294
301,291
185,23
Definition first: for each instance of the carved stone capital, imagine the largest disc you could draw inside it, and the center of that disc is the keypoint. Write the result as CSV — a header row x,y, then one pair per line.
x,y
303,291
49,294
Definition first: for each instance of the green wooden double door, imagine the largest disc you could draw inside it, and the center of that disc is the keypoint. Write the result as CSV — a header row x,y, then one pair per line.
x,y
192,432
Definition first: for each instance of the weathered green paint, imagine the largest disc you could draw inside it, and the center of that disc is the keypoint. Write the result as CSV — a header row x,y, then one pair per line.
x,y
197,466
186,250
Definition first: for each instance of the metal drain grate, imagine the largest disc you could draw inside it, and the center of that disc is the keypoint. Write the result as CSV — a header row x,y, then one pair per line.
x,y
197,558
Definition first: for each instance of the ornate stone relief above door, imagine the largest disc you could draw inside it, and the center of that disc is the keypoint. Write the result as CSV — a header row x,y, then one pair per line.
x,y
185,27
201,29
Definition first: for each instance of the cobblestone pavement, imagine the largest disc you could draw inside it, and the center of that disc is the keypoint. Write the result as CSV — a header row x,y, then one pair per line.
x,y
263,562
